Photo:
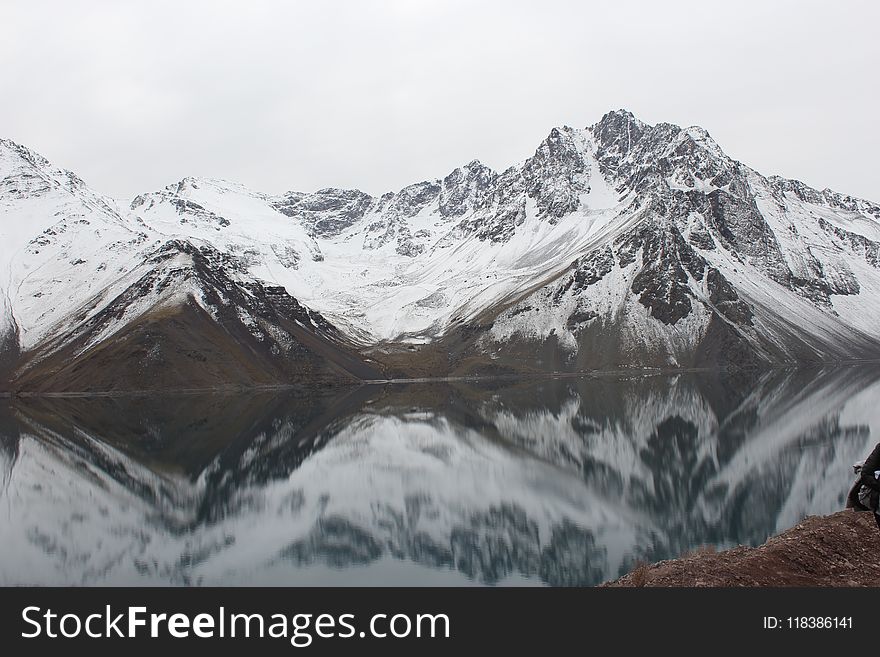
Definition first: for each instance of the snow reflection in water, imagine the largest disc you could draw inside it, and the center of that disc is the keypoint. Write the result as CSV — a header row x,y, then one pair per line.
x,y
557,481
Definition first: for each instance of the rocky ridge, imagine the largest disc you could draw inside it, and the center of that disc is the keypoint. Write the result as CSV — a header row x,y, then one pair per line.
x,y
614,246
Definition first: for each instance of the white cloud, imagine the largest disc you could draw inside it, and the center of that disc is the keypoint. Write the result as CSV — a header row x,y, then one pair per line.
x,y
376,95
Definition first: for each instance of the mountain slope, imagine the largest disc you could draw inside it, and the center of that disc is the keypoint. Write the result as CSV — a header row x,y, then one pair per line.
x,y
185,323
712,264
618,245
100,301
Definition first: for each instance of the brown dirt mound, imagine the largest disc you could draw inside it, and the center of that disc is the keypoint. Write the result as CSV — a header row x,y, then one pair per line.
x,y
842,549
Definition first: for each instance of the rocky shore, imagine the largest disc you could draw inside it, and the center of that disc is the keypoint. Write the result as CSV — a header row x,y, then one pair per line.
x,y
842,549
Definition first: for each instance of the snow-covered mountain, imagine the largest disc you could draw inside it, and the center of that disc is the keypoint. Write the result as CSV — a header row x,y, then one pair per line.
x,y
617,245
95,298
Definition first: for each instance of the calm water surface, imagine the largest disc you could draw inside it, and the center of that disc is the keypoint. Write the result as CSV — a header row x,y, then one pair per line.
x,y
551,482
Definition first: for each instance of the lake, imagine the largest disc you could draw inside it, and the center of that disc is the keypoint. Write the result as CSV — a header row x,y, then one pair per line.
x,y
565,481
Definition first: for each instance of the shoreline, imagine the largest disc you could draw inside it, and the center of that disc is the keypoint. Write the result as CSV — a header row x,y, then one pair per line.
x,y
837,550
622,372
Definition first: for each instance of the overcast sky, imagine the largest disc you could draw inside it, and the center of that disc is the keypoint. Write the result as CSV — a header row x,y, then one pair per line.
x,y
379,94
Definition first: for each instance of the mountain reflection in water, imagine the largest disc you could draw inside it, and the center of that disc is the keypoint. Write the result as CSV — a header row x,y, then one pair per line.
x,y
555,481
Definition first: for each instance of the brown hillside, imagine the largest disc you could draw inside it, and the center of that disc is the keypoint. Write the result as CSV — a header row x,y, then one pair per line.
x,y
842,549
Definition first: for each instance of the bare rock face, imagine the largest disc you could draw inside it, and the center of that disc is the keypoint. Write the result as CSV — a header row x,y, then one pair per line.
x,y
328,211
465,189
662,281
10,354
557,174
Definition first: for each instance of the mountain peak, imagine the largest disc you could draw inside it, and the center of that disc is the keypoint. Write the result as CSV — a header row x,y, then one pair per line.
x,y
10,151
187,185
475,164
619,127
28,167
702,137
472,169
620,118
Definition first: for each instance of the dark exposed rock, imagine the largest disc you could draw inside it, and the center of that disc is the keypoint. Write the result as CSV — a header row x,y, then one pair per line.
x,y
662,280
580,317
327,212
465,189
617,134
389,218
745,231
701,238
723,296
409,201
593,268
520,311
10,351
556,175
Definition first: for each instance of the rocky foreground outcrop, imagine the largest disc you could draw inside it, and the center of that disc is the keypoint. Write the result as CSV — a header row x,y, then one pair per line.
x,y
842,549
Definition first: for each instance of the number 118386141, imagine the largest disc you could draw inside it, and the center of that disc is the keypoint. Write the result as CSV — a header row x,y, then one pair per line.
x,y
808,623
